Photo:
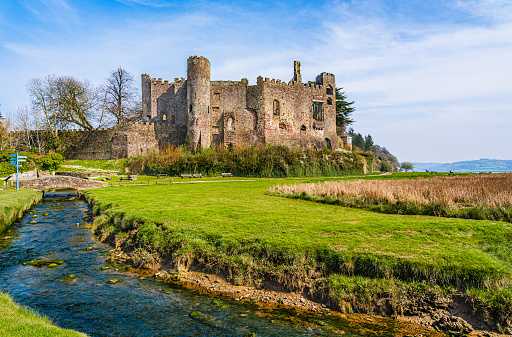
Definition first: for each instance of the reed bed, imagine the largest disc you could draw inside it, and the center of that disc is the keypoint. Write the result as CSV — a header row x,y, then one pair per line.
x,y
486,196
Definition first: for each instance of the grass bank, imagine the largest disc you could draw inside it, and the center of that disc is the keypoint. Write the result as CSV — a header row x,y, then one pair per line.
x,y
19,321
16,320
236,230
14,203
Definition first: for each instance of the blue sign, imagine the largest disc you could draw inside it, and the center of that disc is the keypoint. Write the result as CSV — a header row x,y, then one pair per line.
x,y
15,161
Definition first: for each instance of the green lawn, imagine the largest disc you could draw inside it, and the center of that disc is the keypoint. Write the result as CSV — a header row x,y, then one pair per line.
x,y
252,237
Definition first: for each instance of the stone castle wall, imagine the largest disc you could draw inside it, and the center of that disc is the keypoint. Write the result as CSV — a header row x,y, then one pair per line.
x,y
119,142
233,113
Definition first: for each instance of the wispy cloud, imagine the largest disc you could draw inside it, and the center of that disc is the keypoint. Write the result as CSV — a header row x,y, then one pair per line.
x,y
441,78
150,3
51,10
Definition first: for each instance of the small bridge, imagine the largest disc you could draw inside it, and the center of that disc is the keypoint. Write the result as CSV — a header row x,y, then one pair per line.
x,y
60,182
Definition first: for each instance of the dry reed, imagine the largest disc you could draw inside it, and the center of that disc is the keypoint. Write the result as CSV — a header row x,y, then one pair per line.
x,y
459,192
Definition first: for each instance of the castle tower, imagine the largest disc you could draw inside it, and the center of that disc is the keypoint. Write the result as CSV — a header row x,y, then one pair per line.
x,y
297,77
198,101
146,98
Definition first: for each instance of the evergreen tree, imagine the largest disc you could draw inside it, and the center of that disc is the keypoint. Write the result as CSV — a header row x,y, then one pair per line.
x,y
368,142
343,109
358,140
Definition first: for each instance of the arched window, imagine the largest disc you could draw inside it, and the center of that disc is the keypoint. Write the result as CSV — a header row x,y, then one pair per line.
x,y
329,101
329,90
303,128
276,108
229,127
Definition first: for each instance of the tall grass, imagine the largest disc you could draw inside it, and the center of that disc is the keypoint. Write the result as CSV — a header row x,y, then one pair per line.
x,y
472,196
253,161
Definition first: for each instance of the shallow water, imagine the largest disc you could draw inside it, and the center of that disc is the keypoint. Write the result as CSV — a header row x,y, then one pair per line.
x,y
135,306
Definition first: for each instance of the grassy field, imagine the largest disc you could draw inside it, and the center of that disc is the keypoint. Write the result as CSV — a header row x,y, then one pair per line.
x,y
235,228
16,320
95,166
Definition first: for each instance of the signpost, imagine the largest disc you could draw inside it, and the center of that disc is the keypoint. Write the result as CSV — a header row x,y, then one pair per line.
x,y
16,160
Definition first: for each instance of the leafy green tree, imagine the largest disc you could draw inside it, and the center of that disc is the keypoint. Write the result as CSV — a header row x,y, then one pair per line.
x,y
368,142
343,109
406,166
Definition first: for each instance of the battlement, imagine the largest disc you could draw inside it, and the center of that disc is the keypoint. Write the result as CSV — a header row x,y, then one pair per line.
x,y
276,82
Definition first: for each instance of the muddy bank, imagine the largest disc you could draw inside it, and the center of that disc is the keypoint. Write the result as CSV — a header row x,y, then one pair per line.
x,y
453,315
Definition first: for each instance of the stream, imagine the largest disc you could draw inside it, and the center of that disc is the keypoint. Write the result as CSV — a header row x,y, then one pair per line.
x,y
135,306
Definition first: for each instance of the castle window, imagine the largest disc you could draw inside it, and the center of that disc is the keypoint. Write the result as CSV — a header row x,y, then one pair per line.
x,y
216,96
318,111
190,108
229,126
282,125
164,117
328,143
329,90
303,128
329,101
276,108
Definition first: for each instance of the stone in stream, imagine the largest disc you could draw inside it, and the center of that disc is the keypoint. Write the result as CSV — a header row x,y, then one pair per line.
x,y
114,281
68,277
32,222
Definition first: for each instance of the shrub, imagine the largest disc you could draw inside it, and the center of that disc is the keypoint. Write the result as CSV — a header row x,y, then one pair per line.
x,y
50,162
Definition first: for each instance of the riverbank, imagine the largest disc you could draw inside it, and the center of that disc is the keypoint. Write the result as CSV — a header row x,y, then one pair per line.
x,y
14,203
452,274
19,321
16,320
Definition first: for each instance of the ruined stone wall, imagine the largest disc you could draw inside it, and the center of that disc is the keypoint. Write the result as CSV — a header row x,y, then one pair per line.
x,y
163,100
101,144
224,113
231,121
286,114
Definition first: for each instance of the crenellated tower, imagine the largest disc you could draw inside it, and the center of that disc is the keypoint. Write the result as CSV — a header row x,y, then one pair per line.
x,y
198,101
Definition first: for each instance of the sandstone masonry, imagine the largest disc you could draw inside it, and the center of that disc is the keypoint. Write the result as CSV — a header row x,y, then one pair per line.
x,y
234,113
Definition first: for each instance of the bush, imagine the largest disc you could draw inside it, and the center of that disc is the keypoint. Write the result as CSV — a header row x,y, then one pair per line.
x,y
252,161
50,162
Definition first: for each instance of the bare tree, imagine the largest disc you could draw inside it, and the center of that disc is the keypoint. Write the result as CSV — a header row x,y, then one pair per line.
x,y
120,97
64,101
77,102
44,94
4,133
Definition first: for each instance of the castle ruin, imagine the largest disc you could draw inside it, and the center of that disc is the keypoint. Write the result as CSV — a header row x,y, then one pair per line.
x,y
211,114
234,113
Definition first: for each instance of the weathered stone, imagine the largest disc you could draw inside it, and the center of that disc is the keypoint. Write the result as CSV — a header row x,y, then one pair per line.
x,y
56,182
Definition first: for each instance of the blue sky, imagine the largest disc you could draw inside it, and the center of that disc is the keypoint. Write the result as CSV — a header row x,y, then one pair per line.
x,y
431,80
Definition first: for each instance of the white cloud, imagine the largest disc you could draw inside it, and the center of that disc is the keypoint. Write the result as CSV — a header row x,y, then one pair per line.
x,y
52,10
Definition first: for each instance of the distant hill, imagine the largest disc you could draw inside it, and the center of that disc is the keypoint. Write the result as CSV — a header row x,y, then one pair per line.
x,y
480,165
